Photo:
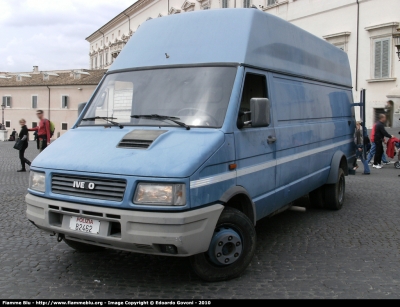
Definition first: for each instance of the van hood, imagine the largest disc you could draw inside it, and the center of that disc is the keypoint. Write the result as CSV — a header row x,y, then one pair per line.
x,y
171,153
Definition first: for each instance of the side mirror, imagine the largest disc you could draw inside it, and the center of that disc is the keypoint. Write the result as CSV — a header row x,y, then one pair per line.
x,y
81,106
260,112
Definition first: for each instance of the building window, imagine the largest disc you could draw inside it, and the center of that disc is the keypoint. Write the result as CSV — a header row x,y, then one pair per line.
x,y
95,61
64,102
119,33
8,124
7,101
246,3
34,124
106,58
101,61
19,78
34,102
64,126
271,2
382,58
106,39
101,43
224,4
112,37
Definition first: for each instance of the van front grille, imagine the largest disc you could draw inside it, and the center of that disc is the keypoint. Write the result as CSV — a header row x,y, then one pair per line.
x,y
89,187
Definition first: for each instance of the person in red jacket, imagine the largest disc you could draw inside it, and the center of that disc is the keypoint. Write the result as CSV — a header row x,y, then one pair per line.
x,y
373,149
43,130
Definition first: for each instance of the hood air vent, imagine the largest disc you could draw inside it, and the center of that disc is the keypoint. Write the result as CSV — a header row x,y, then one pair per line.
x,y
139,139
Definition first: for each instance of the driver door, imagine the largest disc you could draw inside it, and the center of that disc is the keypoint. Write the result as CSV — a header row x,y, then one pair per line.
x,y
255,148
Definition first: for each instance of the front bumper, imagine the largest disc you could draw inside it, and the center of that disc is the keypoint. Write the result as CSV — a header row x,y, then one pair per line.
x,y
137,231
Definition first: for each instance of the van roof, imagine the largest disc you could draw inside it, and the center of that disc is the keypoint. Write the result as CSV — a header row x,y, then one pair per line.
x,y
244,36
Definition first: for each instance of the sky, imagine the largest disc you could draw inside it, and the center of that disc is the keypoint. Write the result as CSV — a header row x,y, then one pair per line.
x,y
51,33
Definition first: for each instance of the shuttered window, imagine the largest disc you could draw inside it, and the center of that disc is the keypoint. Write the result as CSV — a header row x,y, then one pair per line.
x,y
271,2
34,102
246,3
7,101
224,4
382,58
64,102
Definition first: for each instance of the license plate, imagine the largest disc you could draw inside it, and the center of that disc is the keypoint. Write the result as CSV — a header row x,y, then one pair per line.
x,y
84,224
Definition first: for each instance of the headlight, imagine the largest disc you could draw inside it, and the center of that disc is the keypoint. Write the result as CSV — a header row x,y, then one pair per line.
x,y
37,181
160,194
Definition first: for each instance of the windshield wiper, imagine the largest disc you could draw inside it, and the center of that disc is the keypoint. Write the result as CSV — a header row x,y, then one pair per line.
x,y
107,119
163,117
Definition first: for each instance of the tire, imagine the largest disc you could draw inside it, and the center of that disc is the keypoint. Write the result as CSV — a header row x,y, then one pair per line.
x,y
317,199
206,268
83,247
397,164
335,193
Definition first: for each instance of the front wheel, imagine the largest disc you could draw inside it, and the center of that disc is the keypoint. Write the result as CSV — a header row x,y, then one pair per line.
x,y
231,249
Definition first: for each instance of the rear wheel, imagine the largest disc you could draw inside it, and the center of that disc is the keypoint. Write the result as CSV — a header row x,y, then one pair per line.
x,y
335,193
397,164
83,247
231,249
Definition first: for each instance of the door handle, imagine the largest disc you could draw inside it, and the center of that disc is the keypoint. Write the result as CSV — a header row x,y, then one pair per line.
x,y
271,139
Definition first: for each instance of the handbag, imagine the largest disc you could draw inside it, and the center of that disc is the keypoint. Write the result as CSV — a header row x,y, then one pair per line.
x,y
18,144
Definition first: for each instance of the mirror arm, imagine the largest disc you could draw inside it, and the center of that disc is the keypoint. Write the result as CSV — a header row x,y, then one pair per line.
x,y
247,123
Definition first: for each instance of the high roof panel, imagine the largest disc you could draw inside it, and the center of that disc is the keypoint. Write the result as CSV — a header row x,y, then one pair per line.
x,y
246,36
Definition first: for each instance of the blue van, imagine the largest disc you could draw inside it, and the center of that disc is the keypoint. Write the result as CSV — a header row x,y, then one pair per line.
x,y
205,123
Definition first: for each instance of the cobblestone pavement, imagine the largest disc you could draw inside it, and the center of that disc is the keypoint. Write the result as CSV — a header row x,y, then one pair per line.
x,y
351,253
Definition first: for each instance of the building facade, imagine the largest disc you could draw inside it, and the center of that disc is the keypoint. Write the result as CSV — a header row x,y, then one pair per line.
x,y
57,93
364,29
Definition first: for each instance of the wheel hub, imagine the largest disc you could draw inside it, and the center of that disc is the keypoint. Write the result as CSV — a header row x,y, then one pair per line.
x,y
226,246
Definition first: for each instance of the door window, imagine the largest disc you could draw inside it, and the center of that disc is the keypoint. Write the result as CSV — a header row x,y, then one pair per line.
x,y
255,86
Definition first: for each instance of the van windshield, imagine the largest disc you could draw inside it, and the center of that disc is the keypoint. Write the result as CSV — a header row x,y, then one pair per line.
x,y
198,96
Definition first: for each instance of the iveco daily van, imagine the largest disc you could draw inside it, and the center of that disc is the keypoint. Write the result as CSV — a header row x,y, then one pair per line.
x,y
205,123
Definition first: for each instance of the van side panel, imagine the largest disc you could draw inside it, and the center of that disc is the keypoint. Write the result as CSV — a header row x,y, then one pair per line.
x,y
312,120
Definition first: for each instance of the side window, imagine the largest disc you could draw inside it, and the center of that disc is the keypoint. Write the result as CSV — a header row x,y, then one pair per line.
x,y
255,86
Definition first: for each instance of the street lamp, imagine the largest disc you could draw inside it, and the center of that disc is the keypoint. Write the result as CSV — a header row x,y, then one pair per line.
x,y
3,106
397,43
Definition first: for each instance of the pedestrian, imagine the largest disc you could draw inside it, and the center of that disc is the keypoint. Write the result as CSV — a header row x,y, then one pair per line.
x,y
36,139
379,137
359,141
43,131
372,149
13,135
24,138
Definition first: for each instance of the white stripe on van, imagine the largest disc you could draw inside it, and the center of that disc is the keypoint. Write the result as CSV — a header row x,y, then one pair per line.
x,y
259,167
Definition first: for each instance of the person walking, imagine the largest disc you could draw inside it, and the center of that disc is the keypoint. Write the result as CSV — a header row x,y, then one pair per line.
x,y
379,136
43,131
359,141
372,150
24,138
